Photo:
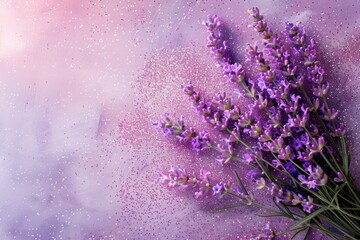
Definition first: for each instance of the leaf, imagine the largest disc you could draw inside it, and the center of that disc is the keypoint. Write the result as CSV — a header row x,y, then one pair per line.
x,y
298,232
266,172
309,217
240,183
344,155
286,211
276,204
337,190
307,235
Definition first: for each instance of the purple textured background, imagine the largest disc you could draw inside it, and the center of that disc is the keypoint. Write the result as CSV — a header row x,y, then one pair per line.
x,y
81,82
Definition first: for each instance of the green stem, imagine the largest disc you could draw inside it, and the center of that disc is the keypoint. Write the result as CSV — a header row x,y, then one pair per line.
x,y
255,203
353,191
289,230
291,176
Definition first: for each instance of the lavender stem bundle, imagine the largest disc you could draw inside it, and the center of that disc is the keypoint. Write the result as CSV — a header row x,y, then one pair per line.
x,y
294,144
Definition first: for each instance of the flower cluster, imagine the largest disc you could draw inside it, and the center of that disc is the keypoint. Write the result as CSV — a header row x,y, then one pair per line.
x,y
289,197
293,142
181,179
316,177
267,234
199,140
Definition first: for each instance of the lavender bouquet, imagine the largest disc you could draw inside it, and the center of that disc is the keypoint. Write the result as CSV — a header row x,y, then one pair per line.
x,y
289,136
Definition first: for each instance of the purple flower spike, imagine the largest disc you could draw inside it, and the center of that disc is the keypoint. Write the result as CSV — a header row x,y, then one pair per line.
x,y
286,153
204,136
234,72
245,119
291,168
176,177
248,158
255,14
218,189
308,204
179,178
317,146
218,47
255,174
213,23
329,114
268,234
199,140
339,178
316,177
321,90
196,144
276,163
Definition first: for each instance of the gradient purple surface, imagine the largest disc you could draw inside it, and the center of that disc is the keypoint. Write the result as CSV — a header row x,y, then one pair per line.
x,y
81,82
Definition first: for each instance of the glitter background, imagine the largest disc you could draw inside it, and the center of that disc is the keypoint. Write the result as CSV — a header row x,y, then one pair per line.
x,y
81,82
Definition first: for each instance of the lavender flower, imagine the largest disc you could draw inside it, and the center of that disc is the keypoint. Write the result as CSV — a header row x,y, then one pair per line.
x,y
308,204
289,197
340,177
215,43
176,177
316,177
199,140
291,168
289,135
179,178
218,189
267,234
